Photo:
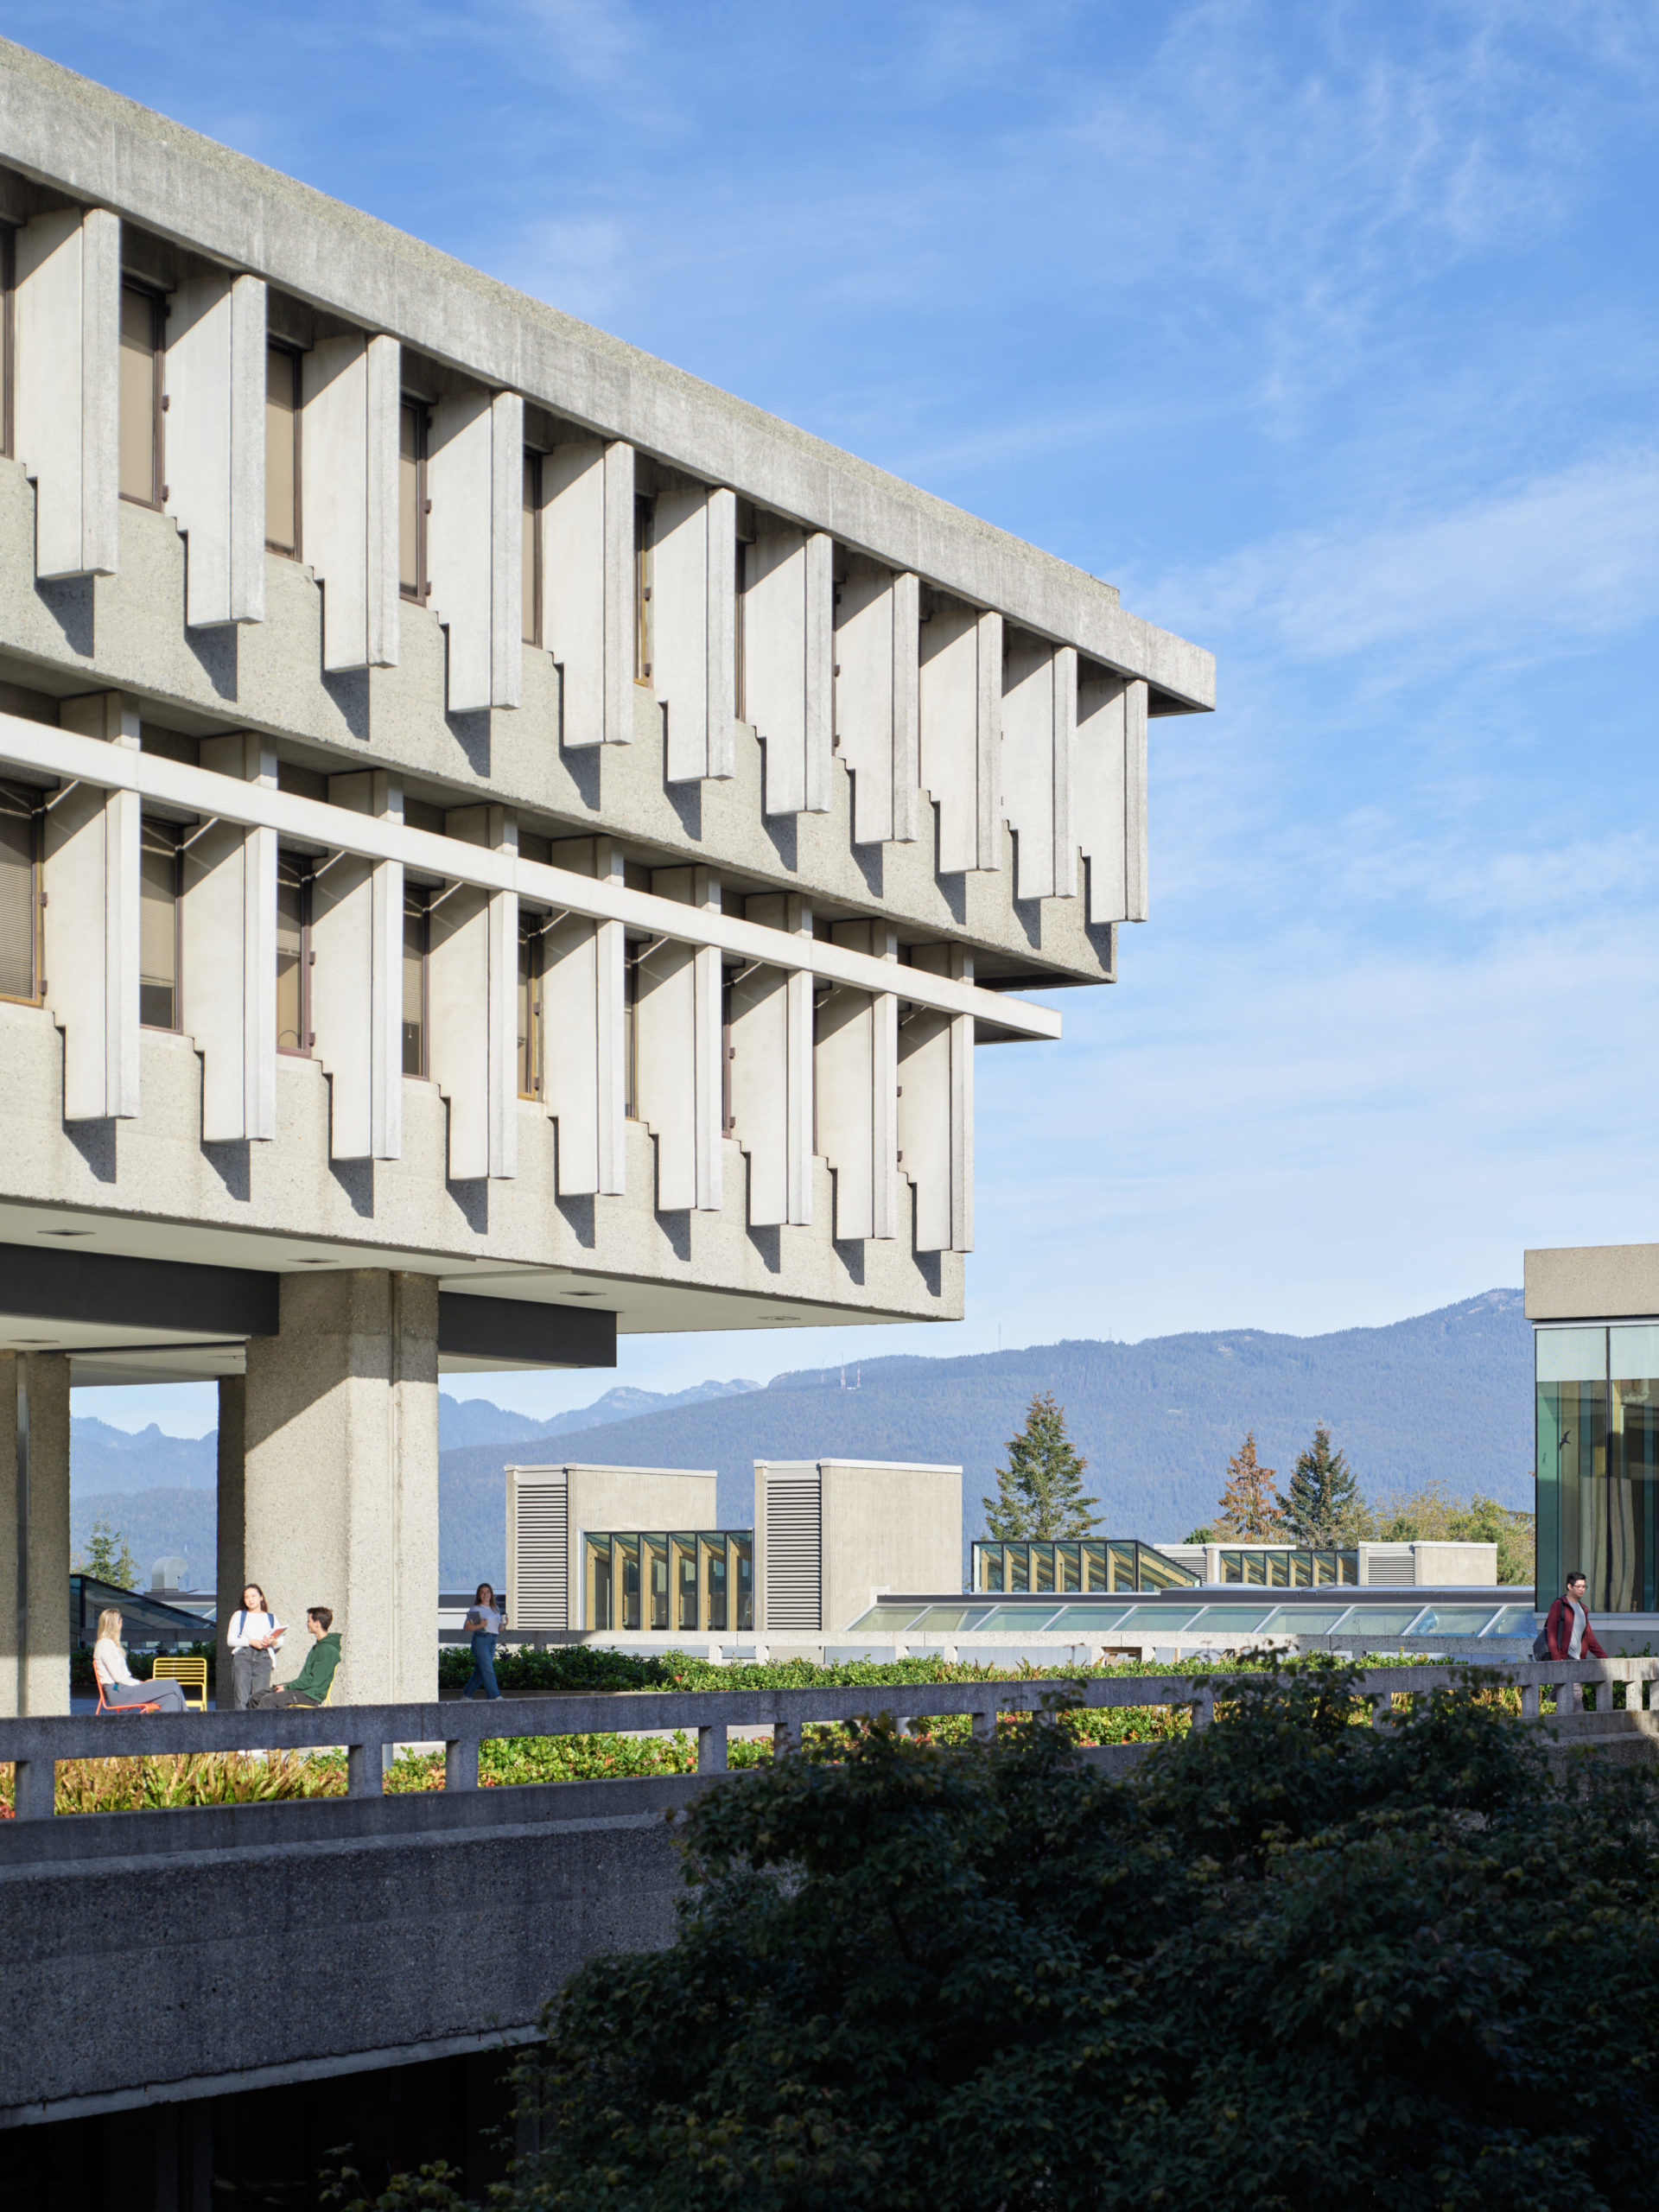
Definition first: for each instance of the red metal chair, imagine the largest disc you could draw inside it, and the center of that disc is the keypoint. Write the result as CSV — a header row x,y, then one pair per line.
x,y
114,1710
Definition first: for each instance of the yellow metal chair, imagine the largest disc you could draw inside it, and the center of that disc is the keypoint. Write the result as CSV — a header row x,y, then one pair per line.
x,y
191,1675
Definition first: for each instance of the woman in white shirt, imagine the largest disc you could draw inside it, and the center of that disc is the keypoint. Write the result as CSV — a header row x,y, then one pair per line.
x,y
485,1621
121,1686
253,1636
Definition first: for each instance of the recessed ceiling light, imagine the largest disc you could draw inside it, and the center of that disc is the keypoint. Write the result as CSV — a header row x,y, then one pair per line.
x,y
314,1263
34,1340
583,1294
65,1232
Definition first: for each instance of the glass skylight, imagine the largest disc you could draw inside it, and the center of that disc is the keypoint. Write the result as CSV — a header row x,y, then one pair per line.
x,y
1454,1620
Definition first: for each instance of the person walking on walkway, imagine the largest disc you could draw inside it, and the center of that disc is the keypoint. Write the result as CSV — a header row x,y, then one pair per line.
x,y
1568,1630
486,1620
253,1635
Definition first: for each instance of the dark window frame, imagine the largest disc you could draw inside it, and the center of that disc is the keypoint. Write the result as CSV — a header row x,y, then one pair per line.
x,y
534,458
157,298
633,951
422,894
297,355
411,402
532,930
8,337
645,538
10,791
175,1027
307,867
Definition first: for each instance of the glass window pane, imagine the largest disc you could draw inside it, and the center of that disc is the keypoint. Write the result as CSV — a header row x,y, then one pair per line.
x,y
656,1563
1173,1618
409,496
138,395
685,1581
158,926
1230,1617
1454,1620
742,1557
1079,1618
19,905
713,1582
414,982
1571,1354
1004,1619
1305,1620
282,474
1380,1620
1515,1620
888,1617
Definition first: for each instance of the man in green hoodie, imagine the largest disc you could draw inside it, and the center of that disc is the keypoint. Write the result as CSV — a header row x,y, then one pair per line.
x,y
310,1685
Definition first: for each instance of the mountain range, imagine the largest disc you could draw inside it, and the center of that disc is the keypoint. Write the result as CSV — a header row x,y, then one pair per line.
x,y
1445,1396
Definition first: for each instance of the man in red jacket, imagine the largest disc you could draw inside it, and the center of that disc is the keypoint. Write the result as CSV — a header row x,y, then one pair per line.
x,y
1568,1630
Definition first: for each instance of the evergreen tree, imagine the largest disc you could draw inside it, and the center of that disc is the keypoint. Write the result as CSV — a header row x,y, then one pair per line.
x,y
107,1556
1039,1492
1323,1502
1251,1511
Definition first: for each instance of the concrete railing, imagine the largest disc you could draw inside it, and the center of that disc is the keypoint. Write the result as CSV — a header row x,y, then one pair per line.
x,y
34,1747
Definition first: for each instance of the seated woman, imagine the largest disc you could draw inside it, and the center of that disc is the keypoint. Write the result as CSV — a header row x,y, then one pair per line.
x,y
120,1685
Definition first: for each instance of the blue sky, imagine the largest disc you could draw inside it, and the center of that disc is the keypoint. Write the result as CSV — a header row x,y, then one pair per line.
x,y
1328,334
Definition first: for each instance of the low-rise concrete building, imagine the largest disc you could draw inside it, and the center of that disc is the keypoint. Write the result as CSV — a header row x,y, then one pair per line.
x,y
502,845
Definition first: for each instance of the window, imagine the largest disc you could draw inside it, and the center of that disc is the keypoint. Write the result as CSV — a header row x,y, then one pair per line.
x,y
160,863
532,564
282,450
642,533
635,953
530,930
293,953
412,502
727,1054
416,926
140,396
21,815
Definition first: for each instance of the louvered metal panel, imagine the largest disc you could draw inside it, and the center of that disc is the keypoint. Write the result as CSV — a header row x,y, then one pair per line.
x,y
794,1564
541,1594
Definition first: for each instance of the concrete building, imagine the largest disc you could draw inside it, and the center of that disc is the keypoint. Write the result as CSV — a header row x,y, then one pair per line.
x,y
500,844
1595,1316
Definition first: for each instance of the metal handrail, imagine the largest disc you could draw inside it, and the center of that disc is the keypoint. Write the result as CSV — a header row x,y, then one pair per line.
x,y
34,1745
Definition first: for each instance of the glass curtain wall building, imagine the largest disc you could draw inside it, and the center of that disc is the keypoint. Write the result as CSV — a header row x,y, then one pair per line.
x,y
1598,1463
695,1580
1109,1564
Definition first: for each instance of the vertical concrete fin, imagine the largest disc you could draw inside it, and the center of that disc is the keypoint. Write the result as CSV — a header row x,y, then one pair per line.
x,y
723,633
1100,815
1026,757
573,554
759,1073
884,1095
503,836
1066,770
708,1027
386,985
864,673
668,1061
619,594
935,1111
507,551
955,719
1135,811
215,444
91,870
335,491
610,982
798,921
383,397
460,537
819,671
962,1112
472,972
775,657
356,991
227,968
66,394
680,584
906,709
988,734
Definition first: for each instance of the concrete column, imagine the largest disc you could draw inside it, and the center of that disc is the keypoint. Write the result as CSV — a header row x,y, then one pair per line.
x,y
475,544
216,443
935,1111
472,979
340,1474
961,697
232,1562
65,395
227,965
91,874
34,1532
350,392
1110,823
